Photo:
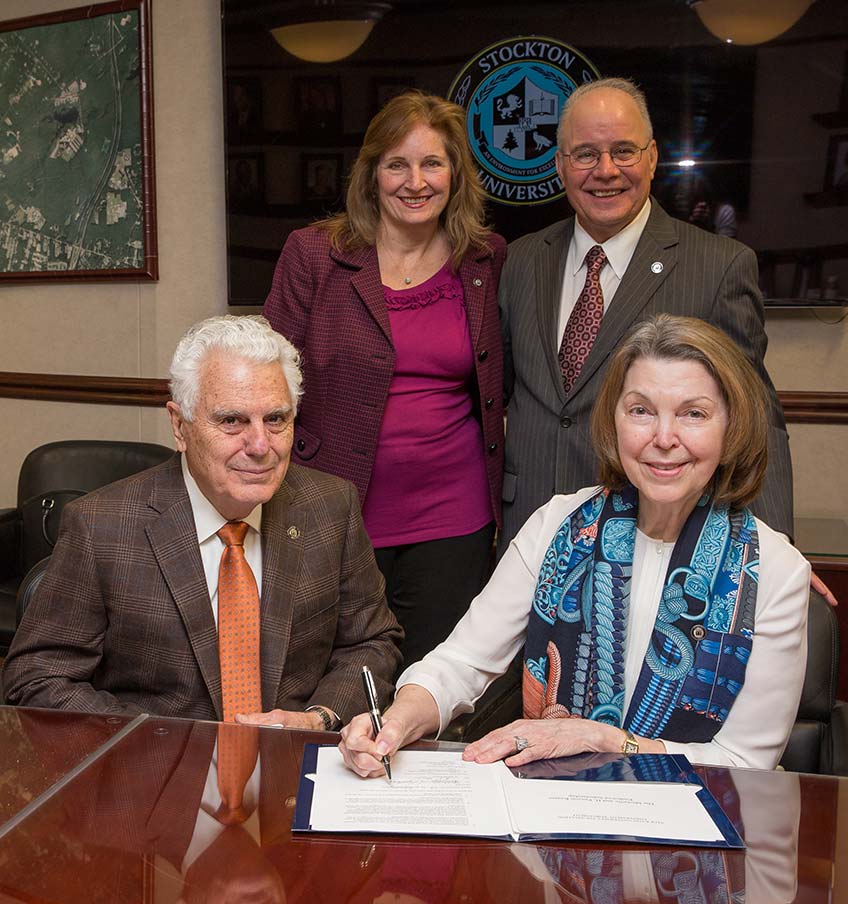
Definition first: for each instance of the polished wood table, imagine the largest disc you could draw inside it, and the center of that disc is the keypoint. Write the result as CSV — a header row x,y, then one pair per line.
x,y
98,809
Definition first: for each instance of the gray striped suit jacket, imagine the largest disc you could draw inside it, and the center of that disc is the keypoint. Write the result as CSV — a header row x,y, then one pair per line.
x,y
548,448
122,620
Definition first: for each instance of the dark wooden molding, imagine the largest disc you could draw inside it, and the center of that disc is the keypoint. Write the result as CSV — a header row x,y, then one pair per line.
x,y
799,407
77,388
815,407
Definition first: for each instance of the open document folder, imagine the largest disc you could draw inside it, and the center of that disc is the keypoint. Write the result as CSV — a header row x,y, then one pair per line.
x,y
649,798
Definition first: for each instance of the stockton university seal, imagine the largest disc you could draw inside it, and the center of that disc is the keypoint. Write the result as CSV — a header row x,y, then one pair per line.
x,y
514,91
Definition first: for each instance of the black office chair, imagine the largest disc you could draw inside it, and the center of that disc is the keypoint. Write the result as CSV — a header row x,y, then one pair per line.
x,y
500,705
28,587
815,744
839,738
51,476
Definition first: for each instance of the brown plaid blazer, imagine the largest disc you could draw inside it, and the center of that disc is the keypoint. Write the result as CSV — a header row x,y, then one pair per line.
x,y
330,305
122,621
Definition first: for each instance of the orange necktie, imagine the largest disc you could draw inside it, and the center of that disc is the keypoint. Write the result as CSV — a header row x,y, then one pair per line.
x,y
238,650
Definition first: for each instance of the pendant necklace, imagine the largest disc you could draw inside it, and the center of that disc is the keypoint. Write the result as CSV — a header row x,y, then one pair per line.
x,y
407,279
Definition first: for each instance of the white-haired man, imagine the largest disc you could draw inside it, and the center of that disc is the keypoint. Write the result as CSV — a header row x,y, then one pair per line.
x,y
224,584
570,293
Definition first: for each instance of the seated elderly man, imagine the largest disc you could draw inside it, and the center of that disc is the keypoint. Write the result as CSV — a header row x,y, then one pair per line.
x,y
224,584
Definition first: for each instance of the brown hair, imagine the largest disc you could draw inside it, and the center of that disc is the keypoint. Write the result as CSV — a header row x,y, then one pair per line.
x,y
463,216
742,466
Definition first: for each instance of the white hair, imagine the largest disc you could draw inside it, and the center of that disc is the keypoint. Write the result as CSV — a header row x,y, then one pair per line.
x,y
616,84
250,337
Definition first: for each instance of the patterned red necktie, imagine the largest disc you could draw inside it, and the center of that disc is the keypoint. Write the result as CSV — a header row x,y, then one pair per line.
x,y
238,651
584,322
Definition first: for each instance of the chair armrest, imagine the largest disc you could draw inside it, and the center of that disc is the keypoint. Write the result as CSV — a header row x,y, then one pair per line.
x,y
839,738
10,543
500,705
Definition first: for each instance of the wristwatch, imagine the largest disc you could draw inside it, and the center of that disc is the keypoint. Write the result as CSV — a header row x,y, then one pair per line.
x,y
629,744
331,721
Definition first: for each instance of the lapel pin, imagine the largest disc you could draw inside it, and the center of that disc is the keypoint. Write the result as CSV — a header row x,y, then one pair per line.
x,y
478,282
293,532
657,267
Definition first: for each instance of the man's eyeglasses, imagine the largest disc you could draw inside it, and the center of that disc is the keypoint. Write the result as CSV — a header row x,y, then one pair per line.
x,y
621,155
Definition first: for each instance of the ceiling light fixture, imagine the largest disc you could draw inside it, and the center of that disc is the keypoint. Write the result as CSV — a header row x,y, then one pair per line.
x,y
326,31
749,21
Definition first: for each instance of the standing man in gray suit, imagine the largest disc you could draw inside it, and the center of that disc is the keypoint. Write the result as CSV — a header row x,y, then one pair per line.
x,y
569,293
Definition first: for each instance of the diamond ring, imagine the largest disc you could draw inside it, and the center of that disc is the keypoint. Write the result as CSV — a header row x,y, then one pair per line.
x,y
521,744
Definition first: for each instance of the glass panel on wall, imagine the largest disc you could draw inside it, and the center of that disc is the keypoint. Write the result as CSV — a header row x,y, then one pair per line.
x,y
750,114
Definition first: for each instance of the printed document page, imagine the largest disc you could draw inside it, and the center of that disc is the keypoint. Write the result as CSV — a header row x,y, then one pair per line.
x,y
643,809
432,792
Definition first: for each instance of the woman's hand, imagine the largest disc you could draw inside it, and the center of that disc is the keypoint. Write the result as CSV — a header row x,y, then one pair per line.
x,y
546,739
551,738
362,752
413,714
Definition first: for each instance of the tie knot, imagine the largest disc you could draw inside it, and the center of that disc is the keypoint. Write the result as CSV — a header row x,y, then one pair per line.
x,y
595,258
233,533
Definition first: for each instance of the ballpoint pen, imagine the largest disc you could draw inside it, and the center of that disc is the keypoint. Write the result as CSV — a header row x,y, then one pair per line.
x,y
374,711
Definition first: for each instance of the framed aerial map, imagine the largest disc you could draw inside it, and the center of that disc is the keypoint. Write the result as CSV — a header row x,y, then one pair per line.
x,y
77,182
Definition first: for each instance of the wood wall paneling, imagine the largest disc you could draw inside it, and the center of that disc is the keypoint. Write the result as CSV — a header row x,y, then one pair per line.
x,y
799,407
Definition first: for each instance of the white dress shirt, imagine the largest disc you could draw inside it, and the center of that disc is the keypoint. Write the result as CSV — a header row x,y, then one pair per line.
x,y
489,635
208,521
206,827
619,250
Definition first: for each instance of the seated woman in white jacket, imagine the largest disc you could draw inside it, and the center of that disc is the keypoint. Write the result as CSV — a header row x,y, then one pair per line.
x,y
657,614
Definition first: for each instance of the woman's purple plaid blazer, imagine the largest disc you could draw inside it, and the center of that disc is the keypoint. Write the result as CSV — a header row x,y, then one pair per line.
x,y
330,305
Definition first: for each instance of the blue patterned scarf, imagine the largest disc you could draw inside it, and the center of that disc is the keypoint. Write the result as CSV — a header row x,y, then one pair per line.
x,y
695,663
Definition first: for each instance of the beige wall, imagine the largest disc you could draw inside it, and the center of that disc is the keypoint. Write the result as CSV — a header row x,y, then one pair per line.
x,y
130,330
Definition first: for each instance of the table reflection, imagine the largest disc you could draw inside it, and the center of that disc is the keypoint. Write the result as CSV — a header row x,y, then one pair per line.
x,y
766,871
145,815
38,747
142,823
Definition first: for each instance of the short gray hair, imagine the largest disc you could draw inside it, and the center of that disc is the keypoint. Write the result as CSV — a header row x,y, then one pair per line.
x,y
616,84
250,337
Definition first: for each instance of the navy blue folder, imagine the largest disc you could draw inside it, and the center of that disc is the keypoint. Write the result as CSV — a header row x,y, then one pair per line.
x,y
643,767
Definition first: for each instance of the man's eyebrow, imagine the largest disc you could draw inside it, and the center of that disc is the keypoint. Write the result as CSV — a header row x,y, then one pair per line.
x,y
221,413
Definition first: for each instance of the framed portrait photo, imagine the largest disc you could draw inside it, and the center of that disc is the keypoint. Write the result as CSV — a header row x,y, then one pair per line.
x,y
318,106
321,178
246,181
244,109
836,170
77,145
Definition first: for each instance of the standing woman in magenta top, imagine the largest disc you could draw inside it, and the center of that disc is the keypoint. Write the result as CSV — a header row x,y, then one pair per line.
x,y
394,306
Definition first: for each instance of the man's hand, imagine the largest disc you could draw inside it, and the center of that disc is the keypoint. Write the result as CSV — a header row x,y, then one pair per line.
x,y
281,717
820,587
